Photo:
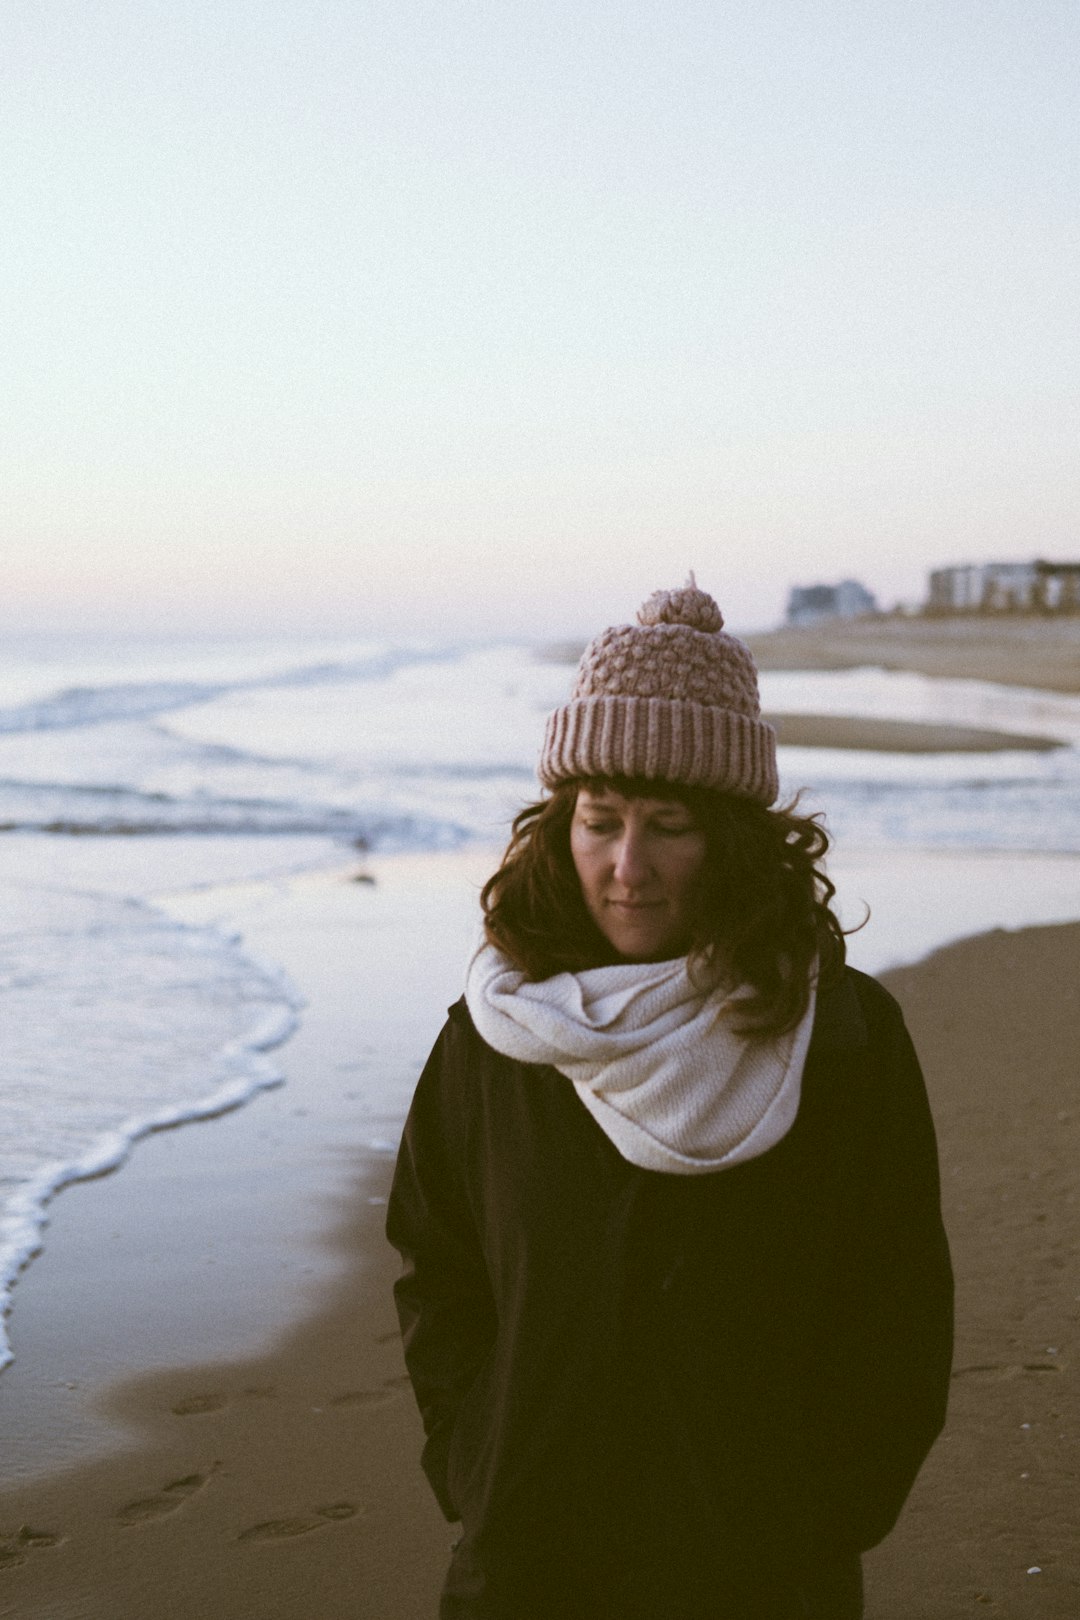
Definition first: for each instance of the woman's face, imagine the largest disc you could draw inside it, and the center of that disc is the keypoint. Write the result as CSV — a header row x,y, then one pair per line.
x,y
638,862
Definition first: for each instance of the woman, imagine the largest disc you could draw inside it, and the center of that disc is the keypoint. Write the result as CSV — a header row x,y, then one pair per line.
x,y
676,1297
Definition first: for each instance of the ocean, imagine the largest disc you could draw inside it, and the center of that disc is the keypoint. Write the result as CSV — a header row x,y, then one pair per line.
x,y
143,769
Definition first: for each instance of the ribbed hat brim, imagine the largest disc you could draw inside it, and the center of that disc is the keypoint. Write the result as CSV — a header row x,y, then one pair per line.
x,y
661,740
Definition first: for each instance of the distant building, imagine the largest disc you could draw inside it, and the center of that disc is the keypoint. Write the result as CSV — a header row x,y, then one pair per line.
x,y
811,604
1031,587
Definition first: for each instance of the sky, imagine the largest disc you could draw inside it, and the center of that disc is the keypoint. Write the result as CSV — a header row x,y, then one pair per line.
x,y
491,317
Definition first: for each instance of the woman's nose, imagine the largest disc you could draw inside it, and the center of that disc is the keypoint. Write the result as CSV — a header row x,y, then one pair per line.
x,y
631,860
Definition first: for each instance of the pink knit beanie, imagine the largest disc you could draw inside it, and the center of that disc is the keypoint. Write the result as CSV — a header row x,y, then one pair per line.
x,y
673,698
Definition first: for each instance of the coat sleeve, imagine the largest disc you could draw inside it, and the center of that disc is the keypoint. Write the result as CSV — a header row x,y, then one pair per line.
x,y
890,1378
443,1296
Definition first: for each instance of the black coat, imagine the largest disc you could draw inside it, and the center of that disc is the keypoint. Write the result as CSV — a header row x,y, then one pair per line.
x,y
671,1387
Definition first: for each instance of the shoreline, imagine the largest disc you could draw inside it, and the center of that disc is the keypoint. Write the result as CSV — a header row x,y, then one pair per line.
x,y
227,1430
348,1071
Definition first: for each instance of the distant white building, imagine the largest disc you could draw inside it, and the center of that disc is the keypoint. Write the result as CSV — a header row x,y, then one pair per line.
x,y
1030,587
811,604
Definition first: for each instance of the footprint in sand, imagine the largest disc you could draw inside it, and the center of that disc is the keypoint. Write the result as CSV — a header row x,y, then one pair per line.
x,y
991,1372
14,1548
214,1401
282,1529
163,1502
363,1397
192,1405
389,1391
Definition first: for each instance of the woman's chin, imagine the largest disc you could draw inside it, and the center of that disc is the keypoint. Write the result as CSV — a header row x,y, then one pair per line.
x,y
633,947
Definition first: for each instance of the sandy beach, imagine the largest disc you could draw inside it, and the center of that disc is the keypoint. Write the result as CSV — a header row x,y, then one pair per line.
x,y
208,1413
1015,651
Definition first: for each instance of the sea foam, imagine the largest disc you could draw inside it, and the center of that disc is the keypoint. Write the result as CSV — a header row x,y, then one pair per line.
x,y
117,1021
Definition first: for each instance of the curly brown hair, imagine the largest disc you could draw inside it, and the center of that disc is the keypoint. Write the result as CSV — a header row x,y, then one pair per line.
x,y
763,911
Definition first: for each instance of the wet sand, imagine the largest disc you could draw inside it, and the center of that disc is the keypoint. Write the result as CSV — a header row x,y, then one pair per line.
x,y
898,736
208,1415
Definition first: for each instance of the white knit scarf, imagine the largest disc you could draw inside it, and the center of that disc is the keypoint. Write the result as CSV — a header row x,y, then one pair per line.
x,y
654,1059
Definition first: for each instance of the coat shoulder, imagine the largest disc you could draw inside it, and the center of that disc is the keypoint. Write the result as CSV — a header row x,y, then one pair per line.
x,y
854,1011
465,1040
462,1066
862,1054
872,994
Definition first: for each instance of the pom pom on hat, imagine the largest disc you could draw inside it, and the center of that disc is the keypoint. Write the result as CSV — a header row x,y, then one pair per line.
x,y
673,698
688,606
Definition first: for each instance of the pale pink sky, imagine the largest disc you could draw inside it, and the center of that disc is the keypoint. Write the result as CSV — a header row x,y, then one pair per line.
x,y
489,316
